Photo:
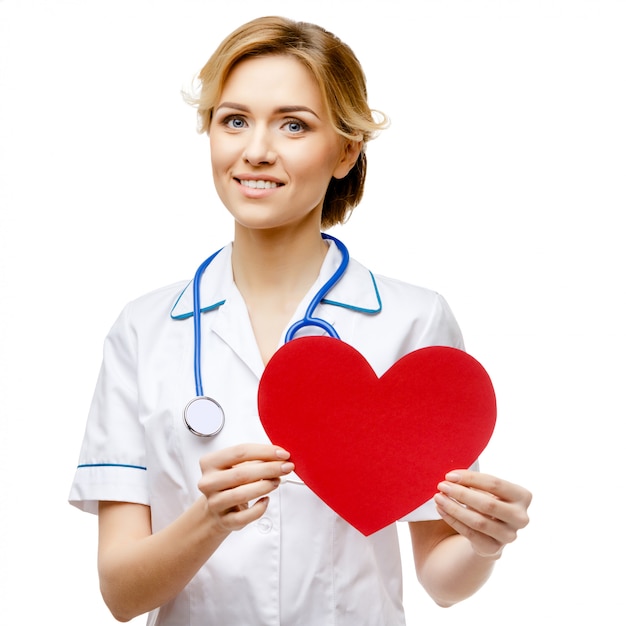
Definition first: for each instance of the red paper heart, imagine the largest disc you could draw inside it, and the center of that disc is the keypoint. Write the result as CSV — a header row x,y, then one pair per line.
x,y
374,449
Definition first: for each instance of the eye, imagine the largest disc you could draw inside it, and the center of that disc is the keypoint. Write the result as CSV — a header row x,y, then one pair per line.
x,y
236,122
294,126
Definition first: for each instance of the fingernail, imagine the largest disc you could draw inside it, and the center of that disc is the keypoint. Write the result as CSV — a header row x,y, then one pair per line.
x,y
453,477
282,454
439,499
287,467
444,487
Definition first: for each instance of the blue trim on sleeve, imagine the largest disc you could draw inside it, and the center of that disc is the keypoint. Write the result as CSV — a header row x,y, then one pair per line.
x,y
139,467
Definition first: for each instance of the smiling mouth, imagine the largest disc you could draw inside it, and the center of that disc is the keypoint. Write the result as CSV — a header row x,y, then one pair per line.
x,y
259,184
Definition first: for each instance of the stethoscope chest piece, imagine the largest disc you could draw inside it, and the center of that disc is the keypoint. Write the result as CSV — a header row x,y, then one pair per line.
x,y
204,417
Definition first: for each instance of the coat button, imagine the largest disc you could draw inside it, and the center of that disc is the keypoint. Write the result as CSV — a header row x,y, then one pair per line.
x,y
264,525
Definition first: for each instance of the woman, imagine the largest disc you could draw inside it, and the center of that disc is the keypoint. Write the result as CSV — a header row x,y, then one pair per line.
x,y
284,105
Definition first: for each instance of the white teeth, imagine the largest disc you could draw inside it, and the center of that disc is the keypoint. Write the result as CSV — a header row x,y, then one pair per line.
x,y
258,184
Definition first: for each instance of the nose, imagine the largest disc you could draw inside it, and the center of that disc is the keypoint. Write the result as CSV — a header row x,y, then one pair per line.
x,y
259,149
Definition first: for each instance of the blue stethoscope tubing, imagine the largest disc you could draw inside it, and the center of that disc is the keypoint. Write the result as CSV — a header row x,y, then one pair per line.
x,y
204,416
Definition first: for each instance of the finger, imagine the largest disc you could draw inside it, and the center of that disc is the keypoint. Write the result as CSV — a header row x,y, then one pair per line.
x,y
473,524
239,497
243,474
483,545
490,495
239,518
502,489
234,455
247,460
481,501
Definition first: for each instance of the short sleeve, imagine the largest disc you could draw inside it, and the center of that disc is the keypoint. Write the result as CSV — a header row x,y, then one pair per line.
x,y
112,461
442,329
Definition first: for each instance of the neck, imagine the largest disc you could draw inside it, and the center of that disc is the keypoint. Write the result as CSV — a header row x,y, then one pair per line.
x,y
273,270
277,264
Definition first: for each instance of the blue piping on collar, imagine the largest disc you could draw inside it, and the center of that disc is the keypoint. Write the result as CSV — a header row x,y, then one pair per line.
x,y
359,309
343,305
204,309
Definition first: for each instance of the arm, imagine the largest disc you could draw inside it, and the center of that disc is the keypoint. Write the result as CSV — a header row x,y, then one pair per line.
x,y
140,571
480,514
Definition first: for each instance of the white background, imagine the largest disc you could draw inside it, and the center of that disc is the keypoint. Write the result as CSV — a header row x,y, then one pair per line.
x,y
500,184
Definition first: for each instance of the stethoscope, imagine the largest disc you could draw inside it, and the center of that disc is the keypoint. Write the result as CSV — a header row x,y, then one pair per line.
x,y
204,416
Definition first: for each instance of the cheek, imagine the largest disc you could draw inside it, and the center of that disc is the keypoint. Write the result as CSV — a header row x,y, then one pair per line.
x,y
222,152
318,165
331,155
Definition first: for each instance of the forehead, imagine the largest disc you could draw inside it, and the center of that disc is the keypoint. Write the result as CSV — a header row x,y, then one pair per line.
x,y
280,78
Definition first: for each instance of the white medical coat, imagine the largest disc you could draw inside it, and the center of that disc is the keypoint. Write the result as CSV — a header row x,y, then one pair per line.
x,y
300,564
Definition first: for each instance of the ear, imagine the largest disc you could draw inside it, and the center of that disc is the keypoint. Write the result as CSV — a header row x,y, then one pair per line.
x,y
349,155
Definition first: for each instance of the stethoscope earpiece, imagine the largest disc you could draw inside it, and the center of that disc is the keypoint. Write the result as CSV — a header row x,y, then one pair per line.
x,y
203,416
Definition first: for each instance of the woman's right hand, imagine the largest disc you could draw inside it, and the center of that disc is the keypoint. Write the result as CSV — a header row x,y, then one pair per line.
x,y
235,476
141,570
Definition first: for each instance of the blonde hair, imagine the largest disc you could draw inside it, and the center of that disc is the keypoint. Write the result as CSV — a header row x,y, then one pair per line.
x,y
340,78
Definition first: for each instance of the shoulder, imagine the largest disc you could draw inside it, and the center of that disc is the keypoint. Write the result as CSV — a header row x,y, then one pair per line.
x,y
406,296
162,298
395,288
147,312
416,316
418,303
157,302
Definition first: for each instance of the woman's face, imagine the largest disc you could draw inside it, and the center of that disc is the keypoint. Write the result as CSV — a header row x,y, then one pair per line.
x,y
273,149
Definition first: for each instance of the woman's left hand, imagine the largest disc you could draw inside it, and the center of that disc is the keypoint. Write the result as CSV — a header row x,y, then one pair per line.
x,y
488,511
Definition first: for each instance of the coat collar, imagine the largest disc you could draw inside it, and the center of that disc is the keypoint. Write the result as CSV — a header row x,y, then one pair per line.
x,y
357,289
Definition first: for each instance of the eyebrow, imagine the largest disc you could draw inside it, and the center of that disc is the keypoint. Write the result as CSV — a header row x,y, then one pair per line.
x,y
296,108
